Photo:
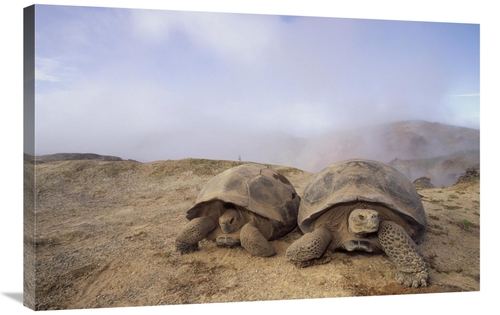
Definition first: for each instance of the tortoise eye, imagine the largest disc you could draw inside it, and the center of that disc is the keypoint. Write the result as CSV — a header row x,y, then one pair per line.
x,y
231,221
361,217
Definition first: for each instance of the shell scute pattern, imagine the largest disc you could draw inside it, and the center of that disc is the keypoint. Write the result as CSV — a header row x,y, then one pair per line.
x,y
360,180
264,199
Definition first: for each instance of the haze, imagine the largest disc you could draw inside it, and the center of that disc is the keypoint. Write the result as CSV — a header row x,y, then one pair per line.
x,y
154,85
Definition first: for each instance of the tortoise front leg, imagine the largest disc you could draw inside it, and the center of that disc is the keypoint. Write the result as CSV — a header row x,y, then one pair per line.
x,y
254,242
404,253
310,245
193,232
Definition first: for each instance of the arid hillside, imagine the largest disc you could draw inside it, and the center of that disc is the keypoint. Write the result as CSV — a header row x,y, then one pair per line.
x,y
105,234
441,170
404,140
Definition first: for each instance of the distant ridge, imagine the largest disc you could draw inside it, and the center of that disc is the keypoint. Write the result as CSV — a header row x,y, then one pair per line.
x,y
75,156
442,170
417,148
405,140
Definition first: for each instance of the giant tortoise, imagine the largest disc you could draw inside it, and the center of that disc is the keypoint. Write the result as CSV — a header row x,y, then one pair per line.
x,y
247,205
364,205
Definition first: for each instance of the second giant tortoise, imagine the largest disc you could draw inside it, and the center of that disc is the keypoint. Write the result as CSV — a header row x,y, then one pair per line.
x,y
363,205
247,205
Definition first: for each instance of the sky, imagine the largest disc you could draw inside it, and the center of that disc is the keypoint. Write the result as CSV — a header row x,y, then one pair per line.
x,y
161,84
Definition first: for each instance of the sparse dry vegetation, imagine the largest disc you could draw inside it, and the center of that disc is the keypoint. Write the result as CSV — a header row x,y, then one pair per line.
x,y
105,238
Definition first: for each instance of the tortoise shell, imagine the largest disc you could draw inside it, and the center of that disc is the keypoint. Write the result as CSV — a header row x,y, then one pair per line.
x,y
360,180
256,188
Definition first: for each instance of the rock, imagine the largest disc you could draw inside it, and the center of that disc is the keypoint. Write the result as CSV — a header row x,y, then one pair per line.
x,y
422,183
471,174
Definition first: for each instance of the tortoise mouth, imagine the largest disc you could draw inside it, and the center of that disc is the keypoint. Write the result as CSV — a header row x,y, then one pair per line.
x,y
363,230
369,228
225,229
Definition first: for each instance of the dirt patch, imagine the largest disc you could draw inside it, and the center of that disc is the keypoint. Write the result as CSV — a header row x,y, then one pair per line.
x,y
105,238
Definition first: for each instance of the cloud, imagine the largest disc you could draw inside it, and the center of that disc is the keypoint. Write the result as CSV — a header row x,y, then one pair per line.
x,y
151,84
49,70
243,38
298,119
465,95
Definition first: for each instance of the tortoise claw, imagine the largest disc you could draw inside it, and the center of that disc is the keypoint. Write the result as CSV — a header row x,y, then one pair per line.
x,y
414,280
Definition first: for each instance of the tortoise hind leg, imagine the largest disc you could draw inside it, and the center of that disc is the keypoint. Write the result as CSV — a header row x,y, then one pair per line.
x,y
310,245
404,253
193,232
254,242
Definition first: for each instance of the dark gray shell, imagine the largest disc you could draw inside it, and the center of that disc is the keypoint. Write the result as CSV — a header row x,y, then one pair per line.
x,y
256,188
360,180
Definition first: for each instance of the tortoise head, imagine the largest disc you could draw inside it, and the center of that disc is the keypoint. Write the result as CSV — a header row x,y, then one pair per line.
x,y
363,221
231,221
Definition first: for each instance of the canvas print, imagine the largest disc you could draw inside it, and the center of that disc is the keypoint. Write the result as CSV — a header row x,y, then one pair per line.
x,y
182,157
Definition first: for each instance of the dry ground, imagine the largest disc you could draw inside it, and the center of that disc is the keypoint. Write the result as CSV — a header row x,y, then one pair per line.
x,y
105,238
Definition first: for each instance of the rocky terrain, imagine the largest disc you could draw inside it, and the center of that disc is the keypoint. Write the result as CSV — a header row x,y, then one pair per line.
x,y
105,234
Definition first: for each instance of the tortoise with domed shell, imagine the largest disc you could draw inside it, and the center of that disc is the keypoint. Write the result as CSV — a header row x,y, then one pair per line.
x,y
363,205
247,205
